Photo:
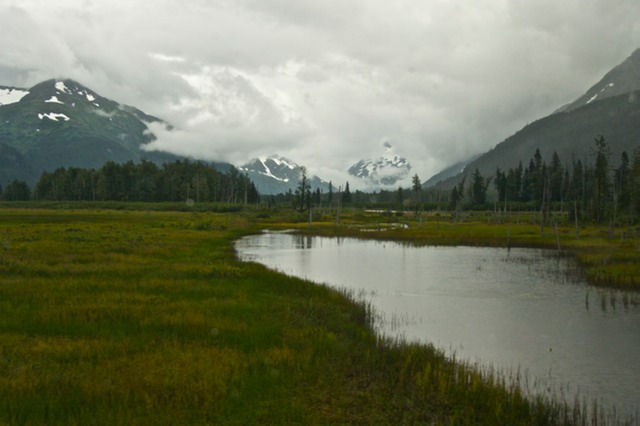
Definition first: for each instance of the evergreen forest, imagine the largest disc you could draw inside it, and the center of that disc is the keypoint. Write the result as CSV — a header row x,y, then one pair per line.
x,y
138,182
599,189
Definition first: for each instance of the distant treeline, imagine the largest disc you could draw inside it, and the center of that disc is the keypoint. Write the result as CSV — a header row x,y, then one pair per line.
x,y
144,181
598,190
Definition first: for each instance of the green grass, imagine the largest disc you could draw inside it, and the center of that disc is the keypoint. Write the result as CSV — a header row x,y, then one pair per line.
x,y
140,317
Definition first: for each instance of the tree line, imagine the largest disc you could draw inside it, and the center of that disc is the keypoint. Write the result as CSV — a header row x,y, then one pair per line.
x,y
596,189
303,199
144,181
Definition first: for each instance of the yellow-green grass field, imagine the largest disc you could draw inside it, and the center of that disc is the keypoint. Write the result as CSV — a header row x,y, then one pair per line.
x,y
146,317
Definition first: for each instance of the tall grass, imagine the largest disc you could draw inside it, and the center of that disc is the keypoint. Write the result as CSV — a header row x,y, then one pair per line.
x,y
134,317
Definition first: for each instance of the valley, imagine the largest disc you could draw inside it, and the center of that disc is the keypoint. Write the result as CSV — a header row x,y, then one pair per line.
x,y
123,298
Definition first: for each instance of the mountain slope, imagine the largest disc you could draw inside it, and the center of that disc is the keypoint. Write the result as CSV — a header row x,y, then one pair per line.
x,y
447,173
13,165
571,131
622,79
571,134
61,123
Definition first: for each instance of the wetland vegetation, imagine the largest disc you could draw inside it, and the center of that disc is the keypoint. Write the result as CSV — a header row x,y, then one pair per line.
x,y
146,316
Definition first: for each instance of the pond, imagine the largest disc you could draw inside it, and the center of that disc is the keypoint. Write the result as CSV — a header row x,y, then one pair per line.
x,y
520,311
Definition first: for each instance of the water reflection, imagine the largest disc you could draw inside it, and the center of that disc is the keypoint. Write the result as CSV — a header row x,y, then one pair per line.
x,y
512,309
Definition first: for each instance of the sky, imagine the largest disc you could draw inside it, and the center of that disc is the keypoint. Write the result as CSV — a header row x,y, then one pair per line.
x,y
324,82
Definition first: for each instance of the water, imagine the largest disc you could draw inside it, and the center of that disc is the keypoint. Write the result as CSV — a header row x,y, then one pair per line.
x,y
515,310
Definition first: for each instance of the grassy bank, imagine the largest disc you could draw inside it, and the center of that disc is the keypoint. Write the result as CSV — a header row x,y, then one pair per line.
x,y
138,317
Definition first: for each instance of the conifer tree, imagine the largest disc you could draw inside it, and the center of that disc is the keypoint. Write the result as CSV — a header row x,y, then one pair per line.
x,y
346,195
478,188
622,184
501,184
601,186
302,198
416,185
400,196
17,190
634,186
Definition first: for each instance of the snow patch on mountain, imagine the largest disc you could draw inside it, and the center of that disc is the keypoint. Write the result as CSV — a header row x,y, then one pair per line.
x,y
61,87
281,161
10,95
594,97
267,170
53,116
54,100
73,89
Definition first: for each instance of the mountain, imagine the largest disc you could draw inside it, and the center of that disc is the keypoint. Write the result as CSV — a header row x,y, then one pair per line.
x,y
610,108
386,170
622,79
61,123
277,175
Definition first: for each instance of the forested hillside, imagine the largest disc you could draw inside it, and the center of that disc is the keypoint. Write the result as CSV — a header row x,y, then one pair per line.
x,y
569,134
603,188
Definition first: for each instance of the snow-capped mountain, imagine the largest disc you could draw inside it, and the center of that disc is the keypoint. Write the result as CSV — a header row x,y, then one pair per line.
x,y
277,175
61,123
385,170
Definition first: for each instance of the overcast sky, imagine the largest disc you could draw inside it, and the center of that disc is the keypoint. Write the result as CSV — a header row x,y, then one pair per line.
x,y
325,82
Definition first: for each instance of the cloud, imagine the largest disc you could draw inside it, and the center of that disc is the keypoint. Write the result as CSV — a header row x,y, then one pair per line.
x,y
232,115
325,83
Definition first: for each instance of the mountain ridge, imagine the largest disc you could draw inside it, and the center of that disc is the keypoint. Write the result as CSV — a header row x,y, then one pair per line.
x,y
570,131
621,79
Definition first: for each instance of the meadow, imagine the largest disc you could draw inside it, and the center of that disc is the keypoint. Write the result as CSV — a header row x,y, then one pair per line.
x,y
146,317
